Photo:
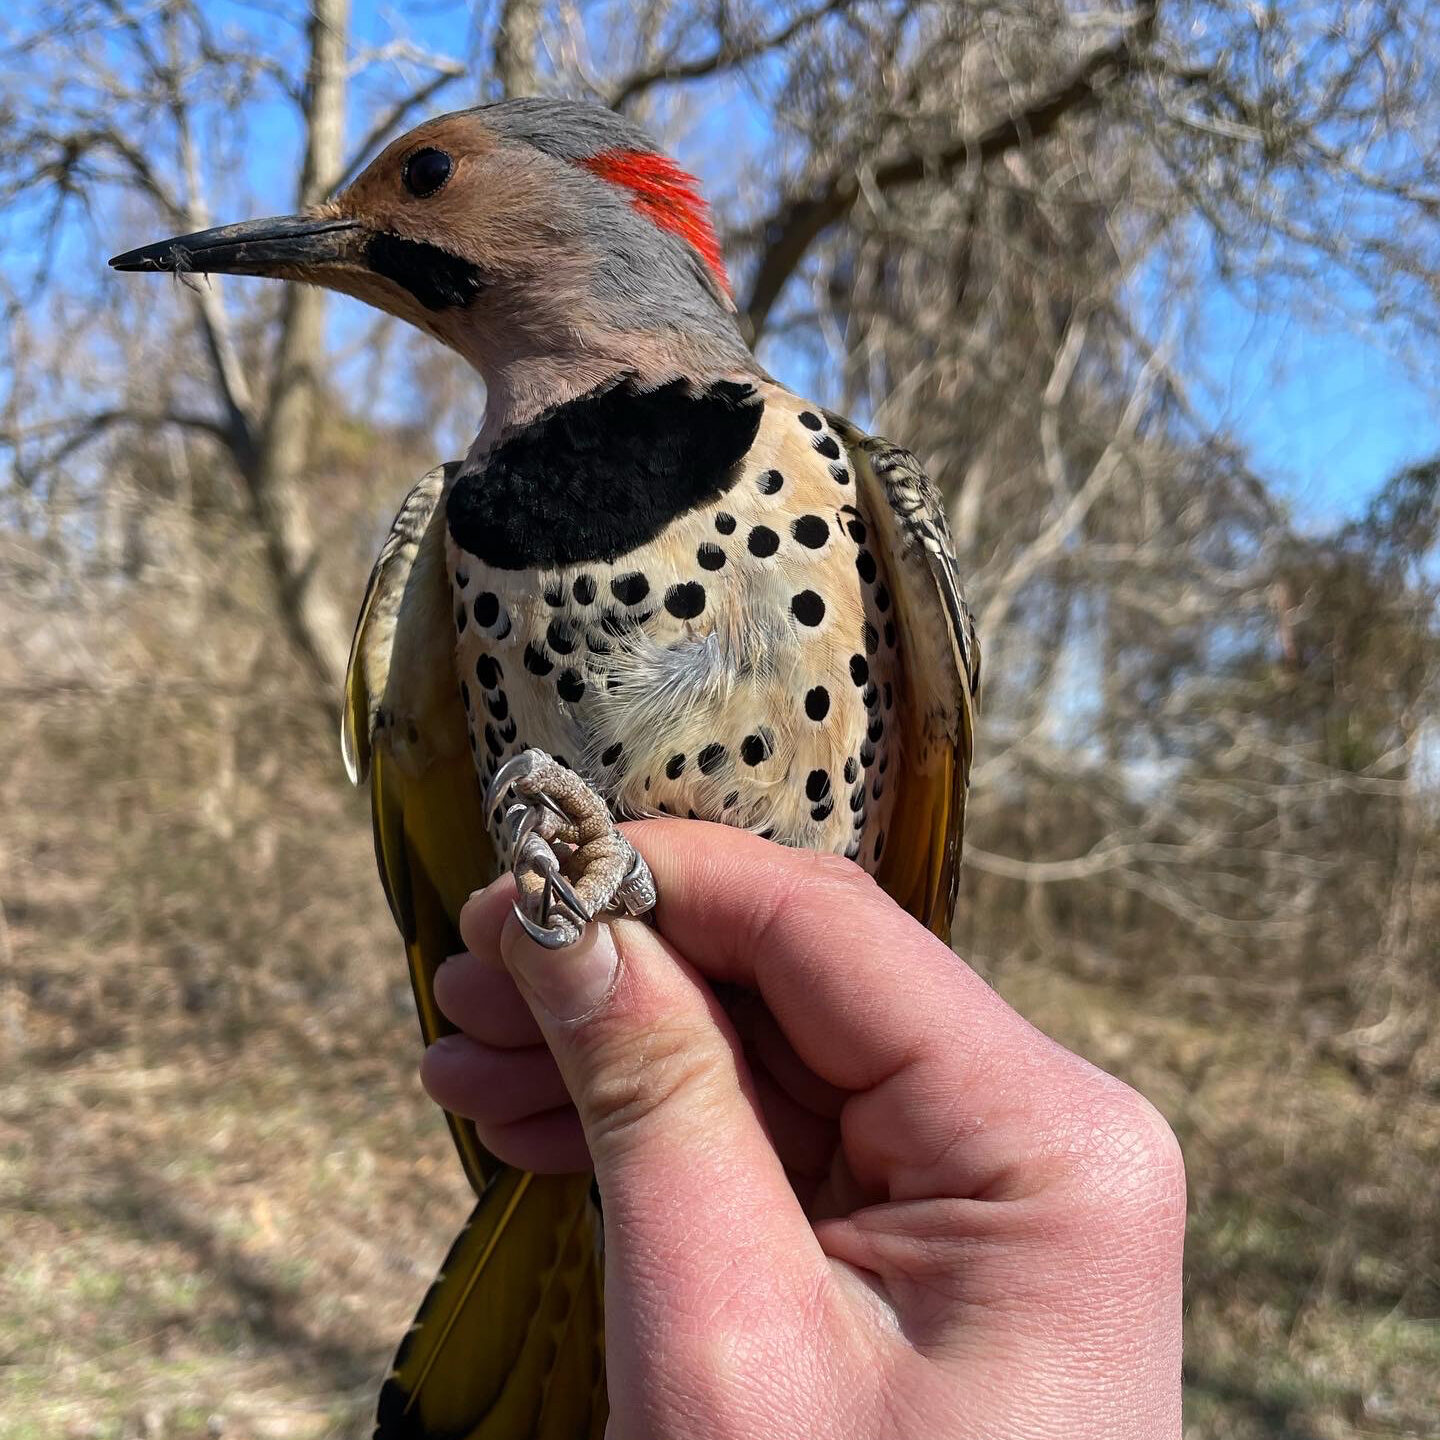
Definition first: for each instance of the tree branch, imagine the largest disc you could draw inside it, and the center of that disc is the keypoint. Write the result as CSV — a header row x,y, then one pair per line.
x,y
729,53
83,429
798,223
517,44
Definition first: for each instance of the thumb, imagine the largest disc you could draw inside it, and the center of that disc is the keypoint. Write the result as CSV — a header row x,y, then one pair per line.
x,y
657,1076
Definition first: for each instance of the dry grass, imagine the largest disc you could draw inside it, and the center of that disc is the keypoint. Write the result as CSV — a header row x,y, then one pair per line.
x,y
225,1192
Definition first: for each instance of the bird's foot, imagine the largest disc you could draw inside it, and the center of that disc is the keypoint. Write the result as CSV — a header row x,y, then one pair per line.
x,y
570,862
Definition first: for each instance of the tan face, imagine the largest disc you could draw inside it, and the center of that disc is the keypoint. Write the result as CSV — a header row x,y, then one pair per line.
x,y
454,185
447,222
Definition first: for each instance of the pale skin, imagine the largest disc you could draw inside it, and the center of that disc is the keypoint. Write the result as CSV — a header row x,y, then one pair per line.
x,y
858,1196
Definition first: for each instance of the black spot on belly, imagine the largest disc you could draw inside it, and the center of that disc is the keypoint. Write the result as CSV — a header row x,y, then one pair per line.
x,y
851,770
555,594
537,662
817,702
675,767
810,531
711,758
460,620
725,523
865,564
859,670
763,541
822,811
839,474
570,685
685,601
497,705
583,589
488,671
882,598
560,636
808,608
710,556
890,633
826,445
630,589
611,753
770,482
810,420
650,456
872,638
817,784
857,530
487,608
492,742
755,749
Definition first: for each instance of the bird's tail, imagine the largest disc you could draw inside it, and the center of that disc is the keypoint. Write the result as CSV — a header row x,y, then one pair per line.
x,y
509,1341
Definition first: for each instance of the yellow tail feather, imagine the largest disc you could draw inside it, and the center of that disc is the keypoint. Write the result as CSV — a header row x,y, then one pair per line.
x,y
508,1343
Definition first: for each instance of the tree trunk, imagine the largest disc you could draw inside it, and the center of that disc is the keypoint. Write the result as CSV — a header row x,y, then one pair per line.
x,y
517,40
318,628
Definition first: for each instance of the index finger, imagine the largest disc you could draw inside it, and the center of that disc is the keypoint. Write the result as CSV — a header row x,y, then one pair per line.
x,y
960,1095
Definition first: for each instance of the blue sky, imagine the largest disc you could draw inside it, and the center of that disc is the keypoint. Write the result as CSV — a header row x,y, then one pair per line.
x,y
1325,415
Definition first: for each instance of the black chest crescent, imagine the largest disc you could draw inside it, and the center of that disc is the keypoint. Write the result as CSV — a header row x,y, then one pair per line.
x,y
604,474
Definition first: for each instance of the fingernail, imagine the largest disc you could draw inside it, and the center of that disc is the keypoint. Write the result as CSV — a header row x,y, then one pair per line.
x,y
569,983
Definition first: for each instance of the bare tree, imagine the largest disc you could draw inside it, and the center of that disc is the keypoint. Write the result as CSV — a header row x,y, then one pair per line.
x,y
153,85
991,230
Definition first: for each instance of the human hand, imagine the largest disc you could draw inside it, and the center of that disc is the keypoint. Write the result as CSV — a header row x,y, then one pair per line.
x,y
854,1194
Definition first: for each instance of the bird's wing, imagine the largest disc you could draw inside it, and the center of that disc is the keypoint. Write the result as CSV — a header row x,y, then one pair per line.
x,y
920,866
506,1343
404,730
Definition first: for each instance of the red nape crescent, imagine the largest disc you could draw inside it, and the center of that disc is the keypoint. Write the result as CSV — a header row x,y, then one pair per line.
x,y
667,195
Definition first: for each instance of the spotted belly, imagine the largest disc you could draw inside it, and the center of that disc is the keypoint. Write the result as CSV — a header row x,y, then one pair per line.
x,y
741,667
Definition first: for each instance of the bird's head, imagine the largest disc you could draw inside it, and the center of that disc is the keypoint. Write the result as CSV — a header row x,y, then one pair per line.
x,y
530,236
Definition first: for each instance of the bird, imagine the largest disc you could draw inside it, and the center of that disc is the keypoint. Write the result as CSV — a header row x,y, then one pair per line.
x,y
659,583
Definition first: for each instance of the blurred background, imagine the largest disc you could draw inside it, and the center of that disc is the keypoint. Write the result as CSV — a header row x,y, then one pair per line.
x,y
1153,290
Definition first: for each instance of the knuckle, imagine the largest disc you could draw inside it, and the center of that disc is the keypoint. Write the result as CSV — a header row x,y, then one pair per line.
x,y
1126,1159
633,1076
802,878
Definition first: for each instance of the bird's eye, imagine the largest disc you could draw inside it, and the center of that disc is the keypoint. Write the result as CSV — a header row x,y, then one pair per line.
x,y
426,171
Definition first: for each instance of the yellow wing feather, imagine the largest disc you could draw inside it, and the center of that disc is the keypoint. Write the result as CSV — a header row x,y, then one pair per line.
x,y
920,868
507,1344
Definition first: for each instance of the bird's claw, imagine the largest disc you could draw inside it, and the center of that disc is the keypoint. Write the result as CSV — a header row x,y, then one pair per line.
x,y
569,860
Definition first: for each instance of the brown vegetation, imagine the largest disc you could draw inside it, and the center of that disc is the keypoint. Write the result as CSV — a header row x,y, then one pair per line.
x,y
1204,837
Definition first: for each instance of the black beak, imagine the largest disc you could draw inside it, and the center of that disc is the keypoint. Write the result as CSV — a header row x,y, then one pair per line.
x,y
254,247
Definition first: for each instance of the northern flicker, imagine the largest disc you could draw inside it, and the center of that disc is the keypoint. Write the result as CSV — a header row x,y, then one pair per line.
x,y
659,583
